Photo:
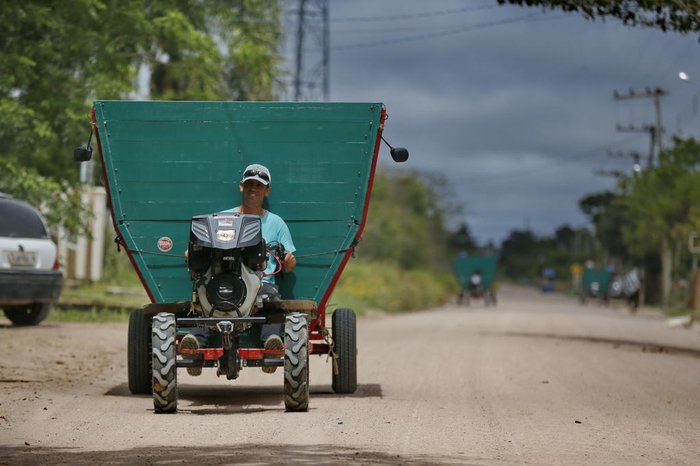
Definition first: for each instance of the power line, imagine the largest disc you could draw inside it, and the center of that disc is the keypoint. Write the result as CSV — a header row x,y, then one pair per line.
x,y
459,30
426,14
656,131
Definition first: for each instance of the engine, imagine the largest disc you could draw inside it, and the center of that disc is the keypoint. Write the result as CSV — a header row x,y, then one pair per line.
x,y
225,257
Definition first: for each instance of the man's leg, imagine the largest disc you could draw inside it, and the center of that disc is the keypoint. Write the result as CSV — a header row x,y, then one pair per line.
x,y
270,333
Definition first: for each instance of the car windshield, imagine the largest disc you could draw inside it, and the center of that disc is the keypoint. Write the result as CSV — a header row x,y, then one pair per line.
x,y
19,220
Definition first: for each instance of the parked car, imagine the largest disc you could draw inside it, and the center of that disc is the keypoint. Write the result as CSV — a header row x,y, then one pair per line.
x,y
30,278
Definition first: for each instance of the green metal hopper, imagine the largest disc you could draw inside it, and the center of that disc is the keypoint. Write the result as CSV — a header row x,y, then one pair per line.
x,y
465,266
165,162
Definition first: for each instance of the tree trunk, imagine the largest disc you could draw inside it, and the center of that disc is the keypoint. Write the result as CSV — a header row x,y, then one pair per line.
x,y
694,303
666,266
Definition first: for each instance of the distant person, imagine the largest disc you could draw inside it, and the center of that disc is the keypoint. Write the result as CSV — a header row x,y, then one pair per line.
x,y
476,284
631,286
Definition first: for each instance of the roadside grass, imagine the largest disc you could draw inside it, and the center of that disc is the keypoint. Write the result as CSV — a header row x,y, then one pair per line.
x,y
364,286
367,285
109,300
91,315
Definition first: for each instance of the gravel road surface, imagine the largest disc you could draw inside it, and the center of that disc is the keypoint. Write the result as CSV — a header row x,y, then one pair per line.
x,y
539,379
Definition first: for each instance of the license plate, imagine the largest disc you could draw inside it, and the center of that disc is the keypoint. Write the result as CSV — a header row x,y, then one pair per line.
x,y
21,258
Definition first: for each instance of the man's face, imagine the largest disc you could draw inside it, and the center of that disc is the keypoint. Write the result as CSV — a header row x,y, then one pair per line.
x,y
254,193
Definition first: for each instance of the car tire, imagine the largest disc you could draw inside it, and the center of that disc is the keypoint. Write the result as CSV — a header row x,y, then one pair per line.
x,y
31,314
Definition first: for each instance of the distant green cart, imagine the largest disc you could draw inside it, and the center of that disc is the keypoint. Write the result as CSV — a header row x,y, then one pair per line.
x,y
476,276
595,284
172,168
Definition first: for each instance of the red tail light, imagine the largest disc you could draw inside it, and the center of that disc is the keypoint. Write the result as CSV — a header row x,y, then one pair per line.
x,y
56,264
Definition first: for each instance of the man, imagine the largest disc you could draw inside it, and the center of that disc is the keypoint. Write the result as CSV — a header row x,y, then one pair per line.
x,y
255,187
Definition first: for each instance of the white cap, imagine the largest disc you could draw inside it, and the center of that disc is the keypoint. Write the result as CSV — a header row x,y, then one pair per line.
x,y
257,172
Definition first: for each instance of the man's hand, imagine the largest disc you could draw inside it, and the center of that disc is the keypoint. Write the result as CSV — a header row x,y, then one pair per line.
x,y
289,262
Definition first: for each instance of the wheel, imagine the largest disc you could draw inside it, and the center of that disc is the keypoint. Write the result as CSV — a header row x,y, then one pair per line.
x,y
345,343
139,353
31,314
164,342
296,363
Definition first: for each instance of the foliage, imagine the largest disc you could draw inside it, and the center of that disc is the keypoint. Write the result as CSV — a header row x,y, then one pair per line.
x,y
383,285
667,15
405,224
652,215
59,203
462,240
665,200
608,218
59,56
523,254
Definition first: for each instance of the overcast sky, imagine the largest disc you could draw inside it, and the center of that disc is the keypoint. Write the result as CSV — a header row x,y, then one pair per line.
x,y
514,106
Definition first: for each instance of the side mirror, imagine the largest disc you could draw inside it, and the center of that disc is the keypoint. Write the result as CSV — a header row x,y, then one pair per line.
x,y
82,153
399,154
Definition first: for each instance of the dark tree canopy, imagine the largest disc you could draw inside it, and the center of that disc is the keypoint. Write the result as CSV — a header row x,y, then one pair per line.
x,y
668,15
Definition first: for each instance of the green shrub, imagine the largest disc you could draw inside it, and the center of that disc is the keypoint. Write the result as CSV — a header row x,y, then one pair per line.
x,y
382,285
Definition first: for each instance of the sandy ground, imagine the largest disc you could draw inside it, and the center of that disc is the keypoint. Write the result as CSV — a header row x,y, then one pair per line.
x,y
539,379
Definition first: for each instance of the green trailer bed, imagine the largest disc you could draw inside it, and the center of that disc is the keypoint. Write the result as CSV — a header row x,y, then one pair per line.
x,y
595,284
466,266
167,162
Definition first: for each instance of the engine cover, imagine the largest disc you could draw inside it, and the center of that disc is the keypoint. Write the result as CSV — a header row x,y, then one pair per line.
x,y
228,294
225,258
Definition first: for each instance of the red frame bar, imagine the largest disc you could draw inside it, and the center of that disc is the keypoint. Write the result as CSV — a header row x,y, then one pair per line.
x,y
322,305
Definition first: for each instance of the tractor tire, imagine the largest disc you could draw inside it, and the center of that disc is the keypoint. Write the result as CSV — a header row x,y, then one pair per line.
x,y
139,353
31,314
345,342
296,363
164,343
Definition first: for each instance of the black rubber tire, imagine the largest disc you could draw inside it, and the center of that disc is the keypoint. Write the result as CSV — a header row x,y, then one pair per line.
x,y
345,342
164,343
296,363
28,315
139,353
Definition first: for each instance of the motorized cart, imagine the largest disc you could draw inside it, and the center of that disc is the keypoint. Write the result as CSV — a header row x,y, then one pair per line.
x,y
595,285
171,169
476,276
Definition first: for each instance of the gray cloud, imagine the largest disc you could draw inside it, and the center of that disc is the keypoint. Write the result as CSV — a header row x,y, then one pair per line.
x,y
517,116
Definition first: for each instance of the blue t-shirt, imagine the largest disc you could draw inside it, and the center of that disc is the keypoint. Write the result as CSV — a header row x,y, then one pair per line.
x,y
274,230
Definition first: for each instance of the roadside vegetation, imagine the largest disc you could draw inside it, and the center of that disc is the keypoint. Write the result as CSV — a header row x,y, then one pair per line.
x,y
64,55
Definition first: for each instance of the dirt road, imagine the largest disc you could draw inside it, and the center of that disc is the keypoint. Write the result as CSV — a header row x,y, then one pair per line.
x,y
539,379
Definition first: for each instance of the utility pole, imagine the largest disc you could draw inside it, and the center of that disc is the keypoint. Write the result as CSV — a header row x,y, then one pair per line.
x,y
656,131
300,51
653,135
312,74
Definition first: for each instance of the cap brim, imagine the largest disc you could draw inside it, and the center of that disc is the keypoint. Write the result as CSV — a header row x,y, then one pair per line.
x,y
256,178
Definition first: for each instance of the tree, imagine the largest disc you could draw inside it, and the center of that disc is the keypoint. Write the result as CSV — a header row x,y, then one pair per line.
x,y
668,15
608,218
60,204
462,240
216,50
405,224
663,206
58,57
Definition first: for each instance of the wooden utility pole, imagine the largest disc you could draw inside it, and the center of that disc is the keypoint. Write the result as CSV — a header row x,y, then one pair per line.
x,y
655,131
